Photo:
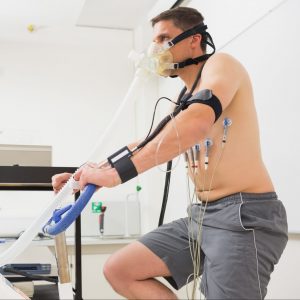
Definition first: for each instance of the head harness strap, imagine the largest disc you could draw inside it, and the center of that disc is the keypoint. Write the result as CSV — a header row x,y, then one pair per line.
x,y
207,39
201,28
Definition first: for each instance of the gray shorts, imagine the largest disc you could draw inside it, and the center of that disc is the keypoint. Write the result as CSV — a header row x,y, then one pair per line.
x,y
243,237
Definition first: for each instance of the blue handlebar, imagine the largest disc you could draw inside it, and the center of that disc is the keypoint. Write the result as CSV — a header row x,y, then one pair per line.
x,y
64,217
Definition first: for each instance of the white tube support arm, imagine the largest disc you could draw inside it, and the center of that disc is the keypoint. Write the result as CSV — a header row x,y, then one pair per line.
x,y
25,239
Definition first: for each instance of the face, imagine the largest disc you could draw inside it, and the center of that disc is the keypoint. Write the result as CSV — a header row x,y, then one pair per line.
x,y
165,31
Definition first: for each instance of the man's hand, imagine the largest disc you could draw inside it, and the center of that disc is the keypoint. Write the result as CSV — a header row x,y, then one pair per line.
x,y
102,177
59,180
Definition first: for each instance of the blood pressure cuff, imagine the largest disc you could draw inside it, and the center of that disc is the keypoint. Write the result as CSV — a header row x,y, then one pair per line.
x,y
122,163
208,98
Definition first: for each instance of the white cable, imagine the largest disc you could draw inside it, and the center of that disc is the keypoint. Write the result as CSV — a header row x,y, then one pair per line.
x,y
197,253
194,242
254,243
179,147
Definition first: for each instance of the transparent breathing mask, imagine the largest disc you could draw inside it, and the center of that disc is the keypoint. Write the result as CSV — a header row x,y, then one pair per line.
x,y
160,59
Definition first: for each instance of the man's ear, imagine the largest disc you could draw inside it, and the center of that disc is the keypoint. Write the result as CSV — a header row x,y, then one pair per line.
x,y
196,40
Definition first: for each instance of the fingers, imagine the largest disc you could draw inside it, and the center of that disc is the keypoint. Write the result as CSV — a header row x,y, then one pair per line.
x,y
91,173
79,176
83,179
59,180
83,175
92,165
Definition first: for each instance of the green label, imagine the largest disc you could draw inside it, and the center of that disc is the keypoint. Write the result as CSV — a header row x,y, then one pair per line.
x,y
96,207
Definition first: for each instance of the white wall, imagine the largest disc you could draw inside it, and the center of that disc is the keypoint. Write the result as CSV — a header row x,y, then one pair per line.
x,y
64,92
284,282
61,86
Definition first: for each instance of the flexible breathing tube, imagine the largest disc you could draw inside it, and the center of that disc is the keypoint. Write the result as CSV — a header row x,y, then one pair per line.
x,y
31,232
64,217
71,212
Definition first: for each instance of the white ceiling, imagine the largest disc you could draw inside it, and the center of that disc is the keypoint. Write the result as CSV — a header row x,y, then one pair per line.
x,y
40,12
118,14
121,14
67,21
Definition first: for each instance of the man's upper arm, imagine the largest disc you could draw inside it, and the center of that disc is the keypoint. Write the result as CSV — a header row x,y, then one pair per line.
x,y
222,74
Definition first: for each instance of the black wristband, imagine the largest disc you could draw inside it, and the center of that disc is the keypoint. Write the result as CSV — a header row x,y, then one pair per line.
x,y
122,163
125,169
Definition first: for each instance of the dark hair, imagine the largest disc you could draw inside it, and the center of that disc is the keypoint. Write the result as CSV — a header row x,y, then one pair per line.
x,y
183,18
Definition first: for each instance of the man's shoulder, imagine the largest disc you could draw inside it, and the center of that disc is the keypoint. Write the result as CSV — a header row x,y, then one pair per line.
x,y
224,75
223,63
221,58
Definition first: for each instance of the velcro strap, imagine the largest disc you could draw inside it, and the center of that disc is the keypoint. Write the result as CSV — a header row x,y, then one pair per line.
x,y
197,29
121,161
208,98
123,152
193,61
125,169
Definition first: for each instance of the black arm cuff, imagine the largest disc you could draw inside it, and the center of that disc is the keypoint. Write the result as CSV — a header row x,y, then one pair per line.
x,y
205,97
122,163
125,169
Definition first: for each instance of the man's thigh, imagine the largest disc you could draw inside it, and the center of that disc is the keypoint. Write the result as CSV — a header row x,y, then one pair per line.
x,y
230,268
137,262
171,243
240,257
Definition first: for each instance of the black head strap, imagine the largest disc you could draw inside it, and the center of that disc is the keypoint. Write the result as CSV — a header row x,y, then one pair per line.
x,y
197,29
194,61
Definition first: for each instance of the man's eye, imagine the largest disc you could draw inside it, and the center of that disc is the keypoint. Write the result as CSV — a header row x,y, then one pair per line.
x,y
163,38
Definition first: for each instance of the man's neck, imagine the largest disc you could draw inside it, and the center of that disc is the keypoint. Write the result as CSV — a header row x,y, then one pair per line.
x,y
189,74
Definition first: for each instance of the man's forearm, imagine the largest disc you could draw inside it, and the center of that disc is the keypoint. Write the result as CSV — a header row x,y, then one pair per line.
x,y
188,127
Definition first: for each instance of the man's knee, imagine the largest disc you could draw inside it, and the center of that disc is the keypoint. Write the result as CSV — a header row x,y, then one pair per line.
x,y
115,274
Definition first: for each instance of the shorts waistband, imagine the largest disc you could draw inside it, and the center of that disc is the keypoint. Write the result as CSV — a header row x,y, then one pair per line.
x,y
244,197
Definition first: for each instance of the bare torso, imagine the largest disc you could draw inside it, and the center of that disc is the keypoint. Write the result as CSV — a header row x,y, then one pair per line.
x,y
238,166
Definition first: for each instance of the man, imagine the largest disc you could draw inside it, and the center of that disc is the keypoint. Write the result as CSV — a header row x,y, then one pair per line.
x,y
244,228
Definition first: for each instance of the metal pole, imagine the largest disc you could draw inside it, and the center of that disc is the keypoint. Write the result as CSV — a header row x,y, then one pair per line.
x,y
78,262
